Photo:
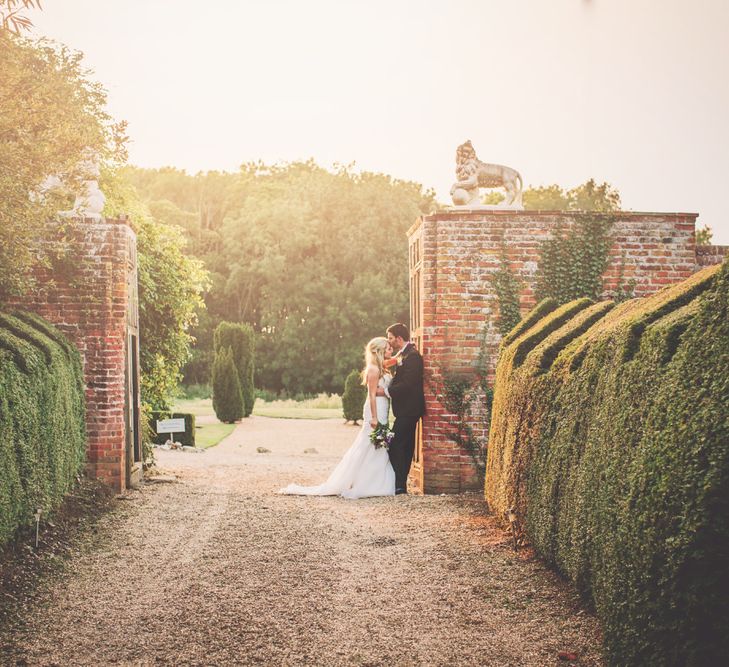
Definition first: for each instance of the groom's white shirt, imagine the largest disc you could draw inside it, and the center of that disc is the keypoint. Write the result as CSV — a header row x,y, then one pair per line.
x,y
399,354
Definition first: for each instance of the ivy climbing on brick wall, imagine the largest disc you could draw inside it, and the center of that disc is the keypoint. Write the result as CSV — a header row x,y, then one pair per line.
x,y
507,286
459,391
462,394
572,262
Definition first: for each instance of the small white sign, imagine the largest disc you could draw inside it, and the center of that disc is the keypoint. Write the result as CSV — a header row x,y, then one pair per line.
x,y
170,425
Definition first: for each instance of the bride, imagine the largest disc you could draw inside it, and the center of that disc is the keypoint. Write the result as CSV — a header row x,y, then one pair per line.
x,y
363,471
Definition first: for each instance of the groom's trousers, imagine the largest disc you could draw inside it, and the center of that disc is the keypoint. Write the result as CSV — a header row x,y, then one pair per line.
x,y
402,448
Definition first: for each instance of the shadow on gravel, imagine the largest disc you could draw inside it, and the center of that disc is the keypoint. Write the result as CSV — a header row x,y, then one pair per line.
x,y
24,569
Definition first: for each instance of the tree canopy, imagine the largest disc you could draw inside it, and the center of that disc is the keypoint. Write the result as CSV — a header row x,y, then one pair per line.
x,y
12,20
314,260
704,235
586,197
590,196
52,119
171,285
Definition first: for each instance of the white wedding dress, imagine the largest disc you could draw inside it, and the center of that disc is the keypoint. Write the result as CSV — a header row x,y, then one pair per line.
x,y
363,471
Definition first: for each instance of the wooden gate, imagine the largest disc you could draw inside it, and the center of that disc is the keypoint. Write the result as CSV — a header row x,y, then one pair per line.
x,y
132,402
416,333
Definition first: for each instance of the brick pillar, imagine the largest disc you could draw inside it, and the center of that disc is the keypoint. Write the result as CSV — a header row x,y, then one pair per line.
x,y
454,309
90,295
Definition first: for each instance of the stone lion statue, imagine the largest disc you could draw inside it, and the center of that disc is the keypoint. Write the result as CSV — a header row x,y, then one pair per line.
x,y
473,174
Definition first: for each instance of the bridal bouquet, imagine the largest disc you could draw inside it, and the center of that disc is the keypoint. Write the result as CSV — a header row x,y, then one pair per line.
x,y
382,436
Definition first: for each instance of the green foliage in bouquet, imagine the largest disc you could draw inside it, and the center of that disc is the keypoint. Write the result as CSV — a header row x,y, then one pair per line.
x,y
227,396
242,342
354,397
610,440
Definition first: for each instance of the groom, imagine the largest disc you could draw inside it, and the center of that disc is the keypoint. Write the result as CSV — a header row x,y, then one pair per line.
x,y
408,402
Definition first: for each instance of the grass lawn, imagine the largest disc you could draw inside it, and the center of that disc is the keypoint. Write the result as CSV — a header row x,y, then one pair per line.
x,y
263,409
209,435
200,407
319,407
206,435
316,408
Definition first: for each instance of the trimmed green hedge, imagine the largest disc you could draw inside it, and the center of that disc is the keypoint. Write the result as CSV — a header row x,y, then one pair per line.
x,y
611,441
543,308
187,438
42,419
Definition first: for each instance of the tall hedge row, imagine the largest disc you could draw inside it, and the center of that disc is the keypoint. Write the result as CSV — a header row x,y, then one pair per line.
x,y
610,438
241,339
42,423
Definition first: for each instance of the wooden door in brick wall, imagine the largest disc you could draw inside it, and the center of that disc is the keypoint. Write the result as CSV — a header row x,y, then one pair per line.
x,y
132,403
416,334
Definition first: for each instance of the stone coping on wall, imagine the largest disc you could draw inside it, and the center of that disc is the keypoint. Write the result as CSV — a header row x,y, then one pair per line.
x,y
99,221
524,211
510,212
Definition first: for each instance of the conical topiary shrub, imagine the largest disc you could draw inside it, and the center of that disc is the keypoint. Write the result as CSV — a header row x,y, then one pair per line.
x,y
354,397
227,396
242,341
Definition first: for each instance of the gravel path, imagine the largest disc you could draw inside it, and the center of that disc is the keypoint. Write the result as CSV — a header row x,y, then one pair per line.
x,y
216,569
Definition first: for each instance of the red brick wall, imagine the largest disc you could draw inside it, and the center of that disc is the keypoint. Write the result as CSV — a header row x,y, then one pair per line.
x,y
706,255
459,309
87,298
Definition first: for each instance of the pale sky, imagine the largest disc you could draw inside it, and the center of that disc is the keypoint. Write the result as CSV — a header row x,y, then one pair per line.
x,y
635,92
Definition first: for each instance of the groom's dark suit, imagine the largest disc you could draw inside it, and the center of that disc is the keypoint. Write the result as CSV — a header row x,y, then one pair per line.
x,y
408,406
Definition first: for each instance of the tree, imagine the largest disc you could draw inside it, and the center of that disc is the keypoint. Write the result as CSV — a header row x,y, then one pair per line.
x,y
493,198
241,340
197,370
171,288
314,260
11,20
704,235
227,397
545,198
593,197
353,397
170,295
586,197
52,121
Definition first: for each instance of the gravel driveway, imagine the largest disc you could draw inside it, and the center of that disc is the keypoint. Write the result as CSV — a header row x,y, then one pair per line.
x,y
216,569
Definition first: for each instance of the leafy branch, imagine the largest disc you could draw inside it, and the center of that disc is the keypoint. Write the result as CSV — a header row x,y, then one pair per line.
x,y
10,18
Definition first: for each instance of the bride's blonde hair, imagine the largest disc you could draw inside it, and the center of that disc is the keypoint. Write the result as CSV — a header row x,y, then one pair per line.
x,y
375,356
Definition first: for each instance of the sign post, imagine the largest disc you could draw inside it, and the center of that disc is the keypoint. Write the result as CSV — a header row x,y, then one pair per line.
x,y
171,426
